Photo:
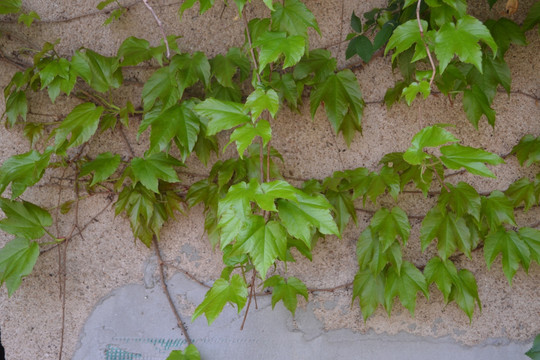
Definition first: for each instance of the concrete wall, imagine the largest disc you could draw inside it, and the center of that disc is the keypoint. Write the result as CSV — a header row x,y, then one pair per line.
x,y
106,269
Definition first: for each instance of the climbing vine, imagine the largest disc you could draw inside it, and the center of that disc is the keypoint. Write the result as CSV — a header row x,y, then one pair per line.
x,y
253,215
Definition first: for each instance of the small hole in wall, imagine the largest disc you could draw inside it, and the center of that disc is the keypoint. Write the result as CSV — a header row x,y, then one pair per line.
x,y
2,354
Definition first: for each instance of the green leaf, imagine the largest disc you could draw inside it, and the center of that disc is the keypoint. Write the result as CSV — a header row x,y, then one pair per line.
x,y
405,285
533,17
134,51
404,36
387,178
513,249
472,159
24,219
287,89
286,291
465,292
266,194
497,209
244,135
28,19
476,104
462,199
264,242
534,351
372,255
190,69
10,6
450,230
151,168
293,17
361,46
531,237
103,166
462,39
16,105
260,100
17,259
82,123
234,210
429,136
100,72
22,171
506,32
414,89
162,85
369,290
343,207
383,35
223,115
225,67
390,224
318,62
104,3
33,131
443,273
528,150
303,216
356,23
274,44
522,190
222,292
340,94
189,353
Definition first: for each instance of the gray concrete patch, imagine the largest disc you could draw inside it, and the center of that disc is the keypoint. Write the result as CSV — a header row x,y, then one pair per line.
x,y
135,322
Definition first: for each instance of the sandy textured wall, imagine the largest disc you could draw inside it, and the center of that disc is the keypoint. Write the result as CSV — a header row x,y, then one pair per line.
x,y
106,257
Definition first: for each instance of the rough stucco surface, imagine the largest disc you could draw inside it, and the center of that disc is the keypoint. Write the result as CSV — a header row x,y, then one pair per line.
x,y
106,257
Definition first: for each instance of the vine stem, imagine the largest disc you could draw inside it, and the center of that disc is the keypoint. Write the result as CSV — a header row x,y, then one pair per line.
x,y
251,294
252,52
160,24
425,44
167,292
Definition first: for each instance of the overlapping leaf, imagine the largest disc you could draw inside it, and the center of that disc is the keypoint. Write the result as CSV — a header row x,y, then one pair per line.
x,y
286,290
406,285
24,219
17,259
103,166
81,123
150,169
23,170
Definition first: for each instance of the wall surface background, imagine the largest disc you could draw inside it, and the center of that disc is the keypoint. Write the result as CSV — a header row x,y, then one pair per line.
x,y
106,259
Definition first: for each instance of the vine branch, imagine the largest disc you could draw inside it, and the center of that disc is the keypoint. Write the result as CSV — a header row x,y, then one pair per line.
x,y
425,44
160,25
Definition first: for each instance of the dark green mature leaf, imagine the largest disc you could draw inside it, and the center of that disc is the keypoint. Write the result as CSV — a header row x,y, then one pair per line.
x,y
10,6
404,36
390,224
162,85
221,293
82,123
534,351
450,230
225,67
472,159
293,17
533,17
223,115
465,292
531,237
286,290
386,179
190,69
462,199
340,94
443,273
343,207
24,219
23,170
57,77
149,169
260,100
506,32
17,259
100,72
103,166
372,255
405,285
274,44
429,136
287,89
497,209
462,39
522,190
356,23
33,131
318,62
205,5
16,105
383,35
528,150
308,213
361,46
134,51
513,249
476,104
189,353
369,290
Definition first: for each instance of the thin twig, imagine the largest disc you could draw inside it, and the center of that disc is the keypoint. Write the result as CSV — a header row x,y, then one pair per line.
x,y
252,52
251,292
167,293
128,144
160,24
425,44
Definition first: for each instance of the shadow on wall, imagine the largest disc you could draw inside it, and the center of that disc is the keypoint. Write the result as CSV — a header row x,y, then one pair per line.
x,y
2,354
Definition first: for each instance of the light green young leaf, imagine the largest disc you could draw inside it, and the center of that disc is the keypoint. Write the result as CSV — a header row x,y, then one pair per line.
x,y
223,115
24,219
429,136
189,353
17,259
414,89
294,18
405,285
28,19
274,44
390,224
221,293
472,159
497,209
260,100
16,105
22,171
462,39
267,193
513,249
369,290
404,36
10,6
234,211
82,123
103,166
287,291
104,3
204,6
151,168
